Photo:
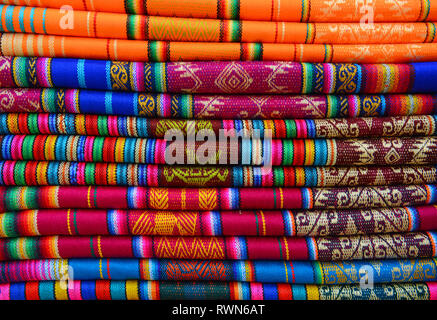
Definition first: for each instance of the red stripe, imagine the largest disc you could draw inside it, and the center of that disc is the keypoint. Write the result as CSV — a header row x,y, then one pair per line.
x,y
32,291
299,152
284,291
103,290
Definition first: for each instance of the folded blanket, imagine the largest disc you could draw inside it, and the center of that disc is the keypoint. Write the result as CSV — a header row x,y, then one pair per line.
x,y
316,10
227,151
20,44
296,272
20,198
45,173
213,107
122,126
217,77
218,223
361,247
123,26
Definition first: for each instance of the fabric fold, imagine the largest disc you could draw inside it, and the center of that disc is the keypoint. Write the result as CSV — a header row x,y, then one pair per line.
x,y
138,127
32,20
262,223
228,77
164,290
30,45
89,197
53,173
296,272
263,10
361,247
184,106
225,150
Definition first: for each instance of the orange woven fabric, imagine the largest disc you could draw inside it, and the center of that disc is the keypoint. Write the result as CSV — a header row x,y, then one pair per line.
x,y
16,44
138,27
265,10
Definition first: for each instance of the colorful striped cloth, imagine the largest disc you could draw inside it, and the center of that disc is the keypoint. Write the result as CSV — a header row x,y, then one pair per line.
x,y
229,151
213,107
228,77
218,223
89,197
157,290
137,27
45,173
263,10
121,126
359,247
31,45
296,272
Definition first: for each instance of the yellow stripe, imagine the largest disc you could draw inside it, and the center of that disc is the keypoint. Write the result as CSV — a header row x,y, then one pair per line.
x,y
263,222
68,222
61,291
286,271
300,177
88,197
132,290
313,292
99,246
100,269
2,227
309,152
287,252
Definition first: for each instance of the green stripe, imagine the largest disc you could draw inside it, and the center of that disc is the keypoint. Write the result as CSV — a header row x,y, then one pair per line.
x,y
32,123
98,149
158,73
75,221
235,9
27,147
49,101
19,177
186,106
9,224
287,152
235,29
92,247
129,6
256,222
258,55
318,272
332,111
278,176
20,71
90,173
102,126
291,128
130,26
280,248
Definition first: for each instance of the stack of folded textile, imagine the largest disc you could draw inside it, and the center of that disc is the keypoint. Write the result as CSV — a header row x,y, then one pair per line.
x,y
344,111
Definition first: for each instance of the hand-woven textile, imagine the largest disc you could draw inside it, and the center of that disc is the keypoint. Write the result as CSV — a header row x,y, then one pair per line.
x,y
219,77
122,26
45,173
218,223
30,45
155,290
21,198
264,10
212,107
122,126
277,152
296,272
378,246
